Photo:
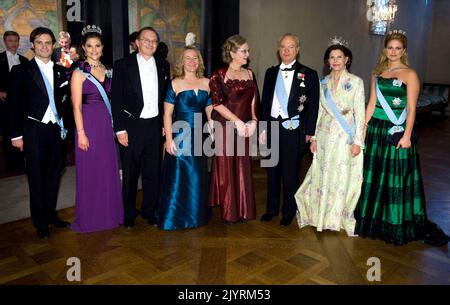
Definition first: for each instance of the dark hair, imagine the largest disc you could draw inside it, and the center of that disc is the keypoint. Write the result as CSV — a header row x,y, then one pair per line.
x,y
162,50
90,35
344,49
10,33
41,31
147,28
132,37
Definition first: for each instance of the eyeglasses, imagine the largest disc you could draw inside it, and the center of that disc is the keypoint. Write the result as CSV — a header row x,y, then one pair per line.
x,y
243,51
148,41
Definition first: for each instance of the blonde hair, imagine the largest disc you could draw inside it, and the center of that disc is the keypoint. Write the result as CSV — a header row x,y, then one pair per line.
x,y
383,60
63,34
179,69
232,44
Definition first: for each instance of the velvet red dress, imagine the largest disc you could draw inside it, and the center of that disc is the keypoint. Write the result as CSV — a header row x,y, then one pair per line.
x,y
232,174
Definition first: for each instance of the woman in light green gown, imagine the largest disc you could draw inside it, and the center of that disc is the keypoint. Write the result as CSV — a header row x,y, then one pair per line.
x,y
330,191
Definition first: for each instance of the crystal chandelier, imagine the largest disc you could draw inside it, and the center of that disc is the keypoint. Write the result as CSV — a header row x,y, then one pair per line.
x,y
381,14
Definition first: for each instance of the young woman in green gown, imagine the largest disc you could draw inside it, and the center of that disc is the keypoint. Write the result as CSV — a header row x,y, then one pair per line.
x,y
392,204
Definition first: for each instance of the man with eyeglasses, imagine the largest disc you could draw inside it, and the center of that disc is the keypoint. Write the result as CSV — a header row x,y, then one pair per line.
x,y
290,97
138,91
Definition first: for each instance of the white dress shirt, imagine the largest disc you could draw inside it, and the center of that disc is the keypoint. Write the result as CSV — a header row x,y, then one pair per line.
x,y
288,77
47,69
149,84
13,59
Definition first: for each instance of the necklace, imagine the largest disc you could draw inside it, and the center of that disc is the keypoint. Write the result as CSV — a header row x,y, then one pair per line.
x,y
236,70
393,69
98,65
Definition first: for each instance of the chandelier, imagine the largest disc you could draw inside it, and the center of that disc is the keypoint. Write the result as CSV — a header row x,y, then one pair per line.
x,y
381,14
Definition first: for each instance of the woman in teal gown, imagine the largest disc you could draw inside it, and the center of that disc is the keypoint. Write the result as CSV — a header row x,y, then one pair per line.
x,y
185,180
392,204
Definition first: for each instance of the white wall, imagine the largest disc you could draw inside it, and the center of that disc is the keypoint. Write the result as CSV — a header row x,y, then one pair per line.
x,y
315,21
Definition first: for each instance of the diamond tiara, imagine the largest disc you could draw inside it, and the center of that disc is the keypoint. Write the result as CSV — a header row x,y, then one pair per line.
x,y
337,41
91,29
397,32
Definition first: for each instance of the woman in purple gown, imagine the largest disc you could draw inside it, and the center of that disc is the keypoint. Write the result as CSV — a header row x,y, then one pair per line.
x,y
98,201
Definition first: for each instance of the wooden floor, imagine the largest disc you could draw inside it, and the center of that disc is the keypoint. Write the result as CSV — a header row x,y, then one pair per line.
x,y
248,253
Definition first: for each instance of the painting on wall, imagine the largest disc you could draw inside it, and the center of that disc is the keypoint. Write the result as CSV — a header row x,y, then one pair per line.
x,y
172,19
23,16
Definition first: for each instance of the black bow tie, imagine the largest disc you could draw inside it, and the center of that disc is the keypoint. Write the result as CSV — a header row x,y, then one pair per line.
x,y
288,69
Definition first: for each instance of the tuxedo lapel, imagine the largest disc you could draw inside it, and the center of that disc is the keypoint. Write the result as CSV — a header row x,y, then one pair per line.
x,y
160,73
295,83
135,78
37,76
272,83
4,63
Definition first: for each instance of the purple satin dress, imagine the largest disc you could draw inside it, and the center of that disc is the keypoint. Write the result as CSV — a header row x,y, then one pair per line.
x,y
98,201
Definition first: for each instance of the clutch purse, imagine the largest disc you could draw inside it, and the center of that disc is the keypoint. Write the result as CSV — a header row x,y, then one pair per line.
x,y
393,139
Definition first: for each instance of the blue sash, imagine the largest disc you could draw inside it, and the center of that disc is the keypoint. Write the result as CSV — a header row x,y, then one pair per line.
x,y
51,99
280,91
337,114
391,115
100,89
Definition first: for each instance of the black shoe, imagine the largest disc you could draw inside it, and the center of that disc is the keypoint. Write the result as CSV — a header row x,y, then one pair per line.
x,y
286,220
43,233
61,224
267,217
151,220
129,223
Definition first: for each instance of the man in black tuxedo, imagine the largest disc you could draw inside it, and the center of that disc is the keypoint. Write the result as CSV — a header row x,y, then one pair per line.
x,y
8,59
36,94
138,91
290,97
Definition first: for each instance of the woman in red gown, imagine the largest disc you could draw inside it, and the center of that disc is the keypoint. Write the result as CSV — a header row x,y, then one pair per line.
x,y
235,98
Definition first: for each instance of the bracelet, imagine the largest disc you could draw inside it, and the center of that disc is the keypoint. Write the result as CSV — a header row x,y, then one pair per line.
x,y
80,130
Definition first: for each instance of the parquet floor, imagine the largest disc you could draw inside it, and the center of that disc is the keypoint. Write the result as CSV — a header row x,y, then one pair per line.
x,y
248,253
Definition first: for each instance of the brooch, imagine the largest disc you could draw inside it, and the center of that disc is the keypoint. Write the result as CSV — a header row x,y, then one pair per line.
x,y
347,86
397,83
109,73
301,76
397,101
302,100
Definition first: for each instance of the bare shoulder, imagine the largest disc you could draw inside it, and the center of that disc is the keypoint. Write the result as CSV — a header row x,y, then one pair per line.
x,y
205,81
176,84
77,76
409,75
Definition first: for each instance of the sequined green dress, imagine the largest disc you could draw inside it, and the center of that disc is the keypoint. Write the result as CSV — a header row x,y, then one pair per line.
x,y
392,204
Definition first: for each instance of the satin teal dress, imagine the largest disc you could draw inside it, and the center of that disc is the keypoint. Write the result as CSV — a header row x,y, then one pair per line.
x,y
185,181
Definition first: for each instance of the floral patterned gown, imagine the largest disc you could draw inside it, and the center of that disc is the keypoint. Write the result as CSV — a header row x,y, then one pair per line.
x,y
330,191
